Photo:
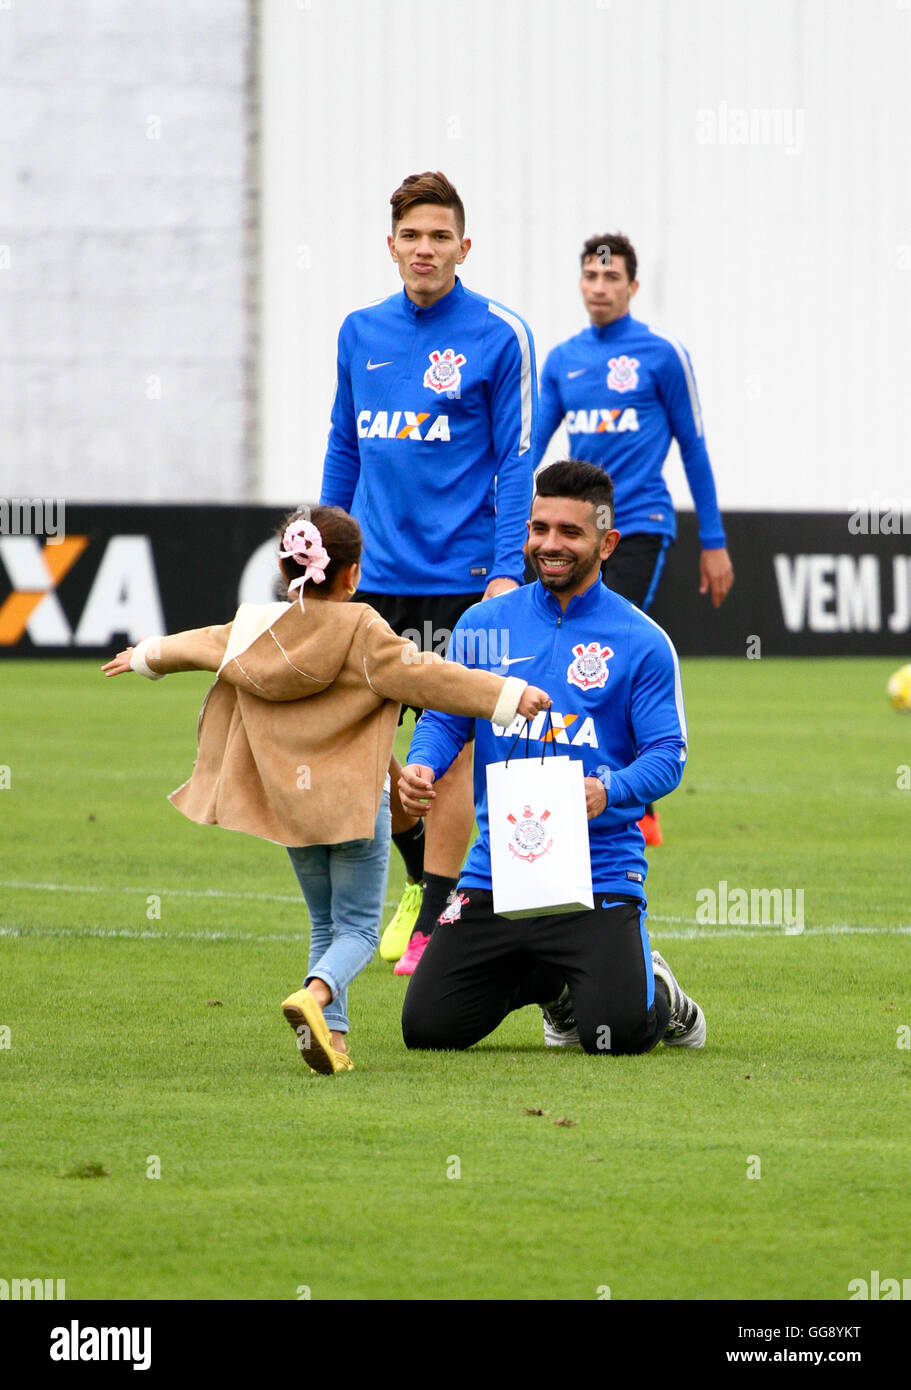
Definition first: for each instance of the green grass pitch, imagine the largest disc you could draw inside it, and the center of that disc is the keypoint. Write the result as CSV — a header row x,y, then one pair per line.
x,y
774,1165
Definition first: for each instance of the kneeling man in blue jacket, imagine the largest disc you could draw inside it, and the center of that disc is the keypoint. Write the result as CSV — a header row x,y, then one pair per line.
x,y
618,709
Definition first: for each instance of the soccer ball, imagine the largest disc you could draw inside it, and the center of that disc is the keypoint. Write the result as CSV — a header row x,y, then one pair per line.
x,y
899,690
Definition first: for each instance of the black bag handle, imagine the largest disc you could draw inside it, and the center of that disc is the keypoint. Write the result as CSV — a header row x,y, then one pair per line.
x,y
549,724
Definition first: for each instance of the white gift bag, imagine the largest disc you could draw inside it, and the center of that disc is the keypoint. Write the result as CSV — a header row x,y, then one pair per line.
x,y
539,853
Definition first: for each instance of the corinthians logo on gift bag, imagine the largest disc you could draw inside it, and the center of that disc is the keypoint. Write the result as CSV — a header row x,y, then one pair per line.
x,y
551,832
529,839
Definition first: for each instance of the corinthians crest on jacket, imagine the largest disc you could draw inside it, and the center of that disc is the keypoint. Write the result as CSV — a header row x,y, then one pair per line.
x,y
529,839
622,375
443,373
588,668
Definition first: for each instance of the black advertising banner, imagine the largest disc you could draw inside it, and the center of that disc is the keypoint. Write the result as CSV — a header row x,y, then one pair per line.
x,y
86,580
805,584
114,574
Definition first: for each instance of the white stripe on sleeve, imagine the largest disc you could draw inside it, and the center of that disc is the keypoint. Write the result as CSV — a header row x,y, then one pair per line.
x,y
678,685
688,374
518,327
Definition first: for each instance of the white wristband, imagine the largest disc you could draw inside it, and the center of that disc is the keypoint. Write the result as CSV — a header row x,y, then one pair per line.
x,y
508,703
138,660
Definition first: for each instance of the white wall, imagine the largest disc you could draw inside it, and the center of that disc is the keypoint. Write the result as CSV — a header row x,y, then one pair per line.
x,y
124,266
784,264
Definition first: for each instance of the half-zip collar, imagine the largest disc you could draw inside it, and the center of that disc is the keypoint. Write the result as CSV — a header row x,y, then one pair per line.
x,y
450,300
579,606
607,332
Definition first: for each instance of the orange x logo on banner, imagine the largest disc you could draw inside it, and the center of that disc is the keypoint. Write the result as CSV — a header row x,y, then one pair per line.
x,y
48,565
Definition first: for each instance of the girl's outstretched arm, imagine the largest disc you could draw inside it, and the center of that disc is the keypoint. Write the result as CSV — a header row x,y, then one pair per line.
x,y
198,649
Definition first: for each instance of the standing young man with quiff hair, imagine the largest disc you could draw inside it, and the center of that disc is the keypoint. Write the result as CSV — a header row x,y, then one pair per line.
x,y
431,449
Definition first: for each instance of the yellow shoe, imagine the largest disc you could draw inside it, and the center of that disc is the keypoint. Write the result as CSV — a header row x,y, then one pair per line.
x,y
342,1061
397,935
313,1037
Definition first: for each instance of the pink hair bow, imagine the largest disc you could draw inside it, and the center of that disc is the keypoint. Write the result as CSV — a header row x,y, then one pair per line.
x,y
303,543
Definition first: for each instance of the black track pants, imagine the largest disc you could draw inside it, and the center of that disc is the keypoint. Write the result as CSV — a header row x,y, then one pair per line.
x,y
479,967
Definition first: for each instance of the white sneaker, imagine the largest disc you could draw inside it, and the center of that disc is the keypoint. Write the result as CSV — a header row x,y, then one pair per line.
x,y
686,1026
559,1022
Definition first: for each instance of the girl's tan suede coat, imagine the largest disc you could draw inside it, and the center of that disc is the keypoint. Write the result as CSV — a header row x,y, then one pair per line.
x,y
296,734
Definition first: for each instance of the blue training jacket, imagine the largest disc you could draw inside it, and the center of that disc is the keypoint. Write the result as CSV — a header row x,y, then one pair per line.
x,y
432,405
626,390
614,679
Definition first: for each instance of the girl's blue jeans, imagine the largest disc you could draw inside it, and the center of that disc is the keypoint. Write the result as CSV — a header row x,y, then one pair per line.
x,y
345,889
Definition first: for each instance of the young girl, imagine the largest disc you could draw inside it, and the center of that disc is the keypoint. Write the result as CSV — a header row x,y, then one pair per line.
x,y
295,739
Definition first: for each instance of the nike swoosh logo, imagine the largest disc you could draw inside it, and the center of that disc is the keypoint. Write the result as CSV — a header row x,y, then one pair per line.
x,y
511,660
372,366
577,373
